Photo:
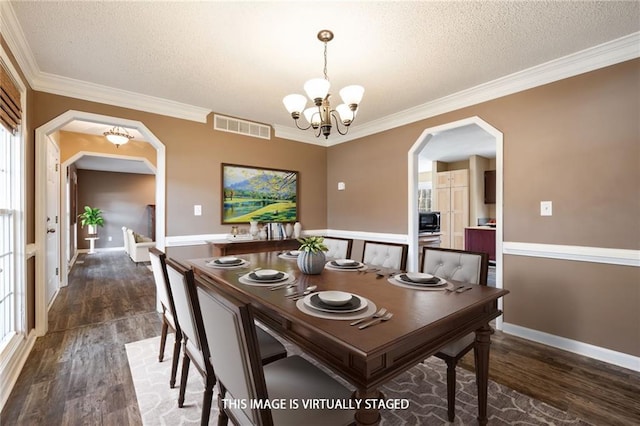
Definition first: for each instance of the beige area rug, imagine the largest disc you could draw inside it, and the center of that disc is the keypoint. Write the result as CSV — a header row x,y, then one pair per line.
x,y
424,386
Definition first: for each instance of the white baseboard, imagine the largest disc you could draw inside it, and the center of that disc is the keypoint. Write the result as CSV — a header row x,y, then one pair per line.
x,y
10,369
602,354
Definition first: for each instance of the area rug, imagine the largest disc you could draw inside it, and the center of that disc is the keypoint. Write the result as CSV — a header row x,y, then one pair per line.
x,y
423,387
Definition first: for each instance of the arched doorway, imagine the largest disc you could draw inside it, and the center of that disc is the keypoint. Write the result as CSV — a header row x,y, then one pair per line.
x,y
413,154
42,138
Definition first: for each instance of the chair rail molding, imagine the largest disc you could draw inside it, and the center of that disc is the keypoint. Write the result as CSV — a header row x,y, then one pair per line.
x,y
612,256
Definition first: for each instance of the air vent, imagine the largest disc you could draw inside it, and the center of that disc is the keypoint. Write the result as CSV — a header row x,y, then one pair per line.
x,y
242,127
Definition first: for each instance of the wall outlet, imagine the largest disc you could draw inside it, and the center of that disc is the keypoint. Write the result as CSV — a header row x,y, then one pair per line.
x,y
110,238
197,210
341,186
546,208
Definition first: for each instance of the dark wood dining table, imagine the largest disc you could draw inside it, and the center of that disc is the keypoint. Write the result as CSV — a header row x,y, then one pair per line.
x,y
422,323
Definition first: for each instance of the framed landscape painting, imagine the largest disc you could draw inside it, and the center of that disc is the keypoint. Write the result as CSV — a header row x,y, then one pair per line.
x,y
258,194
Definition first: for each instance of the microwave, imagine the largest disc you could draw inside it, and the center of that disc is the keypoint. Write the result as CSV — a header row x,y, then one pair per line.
x,y
429,222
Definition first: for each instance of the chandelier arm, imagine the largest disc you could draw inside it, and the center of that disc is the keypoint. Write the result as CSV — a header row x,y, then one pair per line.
x,y
346,128
301,128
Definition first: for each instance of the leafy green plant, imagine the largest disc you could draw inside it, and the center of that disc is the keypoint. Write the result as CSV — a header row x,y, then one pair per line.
x,y
91,216
312,244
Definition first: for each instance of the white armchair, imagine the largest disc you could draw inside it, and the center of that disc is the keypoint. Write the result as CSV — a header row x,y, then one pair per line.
x,y
125,237
139,250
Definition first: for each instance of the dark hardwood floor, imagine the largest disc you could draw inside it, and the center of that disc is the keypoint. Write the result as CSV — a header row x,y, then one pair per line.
x,y
78,372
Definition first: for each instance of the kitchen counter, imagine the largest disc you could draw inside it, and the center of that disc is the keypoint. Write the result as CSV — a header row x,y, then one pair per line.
x,y
485,227
476,238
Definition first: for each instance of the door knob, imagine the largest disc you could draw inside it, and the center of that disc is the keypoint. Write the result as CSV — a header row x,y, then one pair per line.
x,y
51,231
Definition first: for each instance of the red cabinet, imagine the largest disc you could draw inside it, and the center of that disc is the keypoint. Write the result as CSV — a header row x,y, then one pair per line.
x,y
482,240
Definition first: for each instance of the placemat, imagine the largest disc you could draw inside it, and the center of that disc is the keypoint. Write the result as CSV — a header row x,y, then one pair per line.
x,y
366,312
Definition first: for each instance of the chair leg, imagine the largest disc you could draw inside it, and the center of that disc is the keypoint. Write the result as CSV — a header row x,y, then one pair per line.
x,y
183,379
451,389
210,381
163,339
223,418
174,362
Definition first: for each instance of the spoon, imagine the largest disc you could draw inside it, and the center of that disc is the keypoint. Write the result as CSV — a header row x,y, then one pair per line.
x,y
304,293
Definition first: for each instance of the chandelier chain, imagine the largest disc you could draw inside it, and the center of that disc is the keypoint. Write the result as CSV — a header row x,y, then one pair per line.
x,y
326,77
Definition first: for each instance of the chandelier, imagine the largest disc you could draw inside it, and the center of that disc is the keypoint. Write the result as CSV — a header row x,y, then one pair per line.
x,y
118,136
320,116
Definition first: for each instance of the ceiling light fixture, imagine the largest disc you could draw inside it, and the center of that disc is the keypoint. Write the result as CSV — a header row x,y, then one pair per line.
x,y
118,136
319,116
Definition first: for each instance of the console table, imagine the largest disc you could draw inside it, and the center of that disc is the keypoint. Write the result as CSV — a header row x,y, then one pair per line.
x,y
228,247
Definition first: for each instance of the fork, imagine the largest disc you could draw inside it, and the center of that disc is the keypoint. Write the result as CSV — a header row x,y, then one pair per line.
x,y
453,290
383,318
378,314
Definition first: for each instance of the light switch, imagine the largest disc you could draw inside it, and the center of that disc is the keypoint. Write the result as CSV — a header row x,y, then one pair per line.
x,y
197,210
341,186
545,208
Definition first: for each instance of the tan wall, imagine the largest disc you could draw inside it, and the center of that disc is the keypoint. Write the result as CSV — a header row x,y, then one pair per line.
x,y
575,142
123,198
194,153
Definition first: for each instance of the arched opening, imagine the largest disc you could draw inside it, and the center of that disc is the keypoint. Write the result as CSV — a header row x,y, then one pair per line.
x,y
42,138
413,159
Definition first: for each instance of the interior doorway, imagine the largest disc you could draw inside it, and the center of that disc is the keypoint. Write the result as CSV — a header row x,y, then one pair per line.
x,y
413,185
42,138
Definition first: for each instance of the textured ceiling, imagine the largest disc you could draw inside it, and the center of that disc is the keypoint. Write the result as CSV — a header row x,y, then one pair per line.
x,y
242,58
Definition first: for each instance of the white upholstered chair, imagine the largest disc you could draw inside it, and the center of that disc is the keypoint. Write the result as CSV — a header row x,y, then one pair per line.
x,y
159,268
459,265
194,342
386,255
228,324
338,248
139,250
125,237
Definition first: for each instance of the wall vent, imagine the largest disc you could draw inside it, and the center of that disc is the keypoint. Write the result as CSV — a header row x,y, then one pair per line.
x,y
242,127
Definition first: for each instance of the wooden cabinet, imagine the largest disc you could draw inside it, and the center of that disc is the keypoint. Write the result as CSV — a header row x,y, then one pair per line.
x,y
226,247
490,187
452,201
482,240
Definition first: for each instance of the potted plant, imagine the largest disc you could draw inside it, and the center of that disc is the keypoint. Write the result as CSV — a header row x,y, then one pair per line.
x,y
91,217
311,259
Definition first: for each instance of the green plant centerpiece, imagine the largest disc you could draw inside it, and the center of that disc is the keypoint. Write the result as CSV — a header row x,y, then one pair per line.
x,y
91,217
311,259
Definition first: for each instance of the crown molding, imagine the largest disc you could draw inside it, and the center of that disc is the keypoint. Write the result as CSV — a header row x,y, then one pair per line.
x,y
64,86
14,37
593,58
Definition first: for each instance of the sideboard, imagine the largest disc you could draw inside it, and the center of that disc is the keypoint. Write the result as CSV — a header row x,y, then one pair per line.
x,y
228,247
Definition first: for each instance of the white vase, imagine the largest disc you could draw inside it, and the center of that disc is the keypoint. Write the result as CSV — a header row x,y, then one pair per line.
x,y
93,229
263,233
297,230
288,229
253,229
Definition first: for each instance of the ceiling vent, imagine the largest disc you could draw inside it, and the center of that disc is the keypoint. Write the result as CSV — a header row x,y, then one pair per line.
x,y
242,127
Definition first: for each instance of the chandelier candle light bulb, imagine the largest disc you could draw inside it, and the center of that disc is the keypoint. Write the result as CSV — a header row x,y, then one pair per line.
x,y
321,116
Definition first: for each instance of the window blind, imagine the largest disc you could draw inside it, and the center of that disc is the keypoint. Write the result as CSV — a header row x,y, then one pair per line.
x,y
10,112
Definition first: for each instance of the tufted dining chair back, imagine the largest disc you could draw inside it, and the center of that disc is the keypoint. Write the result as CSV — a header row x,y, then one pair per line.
x,y
386,255
459,265
338,248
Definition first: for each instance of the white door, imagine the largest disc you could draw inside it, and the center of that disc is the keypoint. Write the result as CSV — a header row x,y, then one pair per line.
x,y
53,221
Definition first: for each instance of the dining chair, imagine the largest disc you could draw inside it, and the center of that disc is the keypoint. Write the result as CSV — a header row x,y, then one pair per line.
x,y
386,255
167,306
228,322
195,345
459,265
338,248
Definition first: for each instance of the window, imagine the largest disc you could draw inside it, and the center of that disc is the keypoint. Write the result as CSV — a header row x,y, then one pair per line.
x,y
12,210
8,225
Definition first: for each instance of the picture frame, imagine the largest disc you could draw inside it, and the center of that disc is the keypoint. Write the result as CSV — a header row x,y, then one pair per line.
x,y
258,194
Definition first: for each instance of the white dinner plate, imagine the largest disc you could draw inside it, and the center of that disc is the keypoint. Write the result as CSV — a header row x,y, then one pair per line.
x,y
336,309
